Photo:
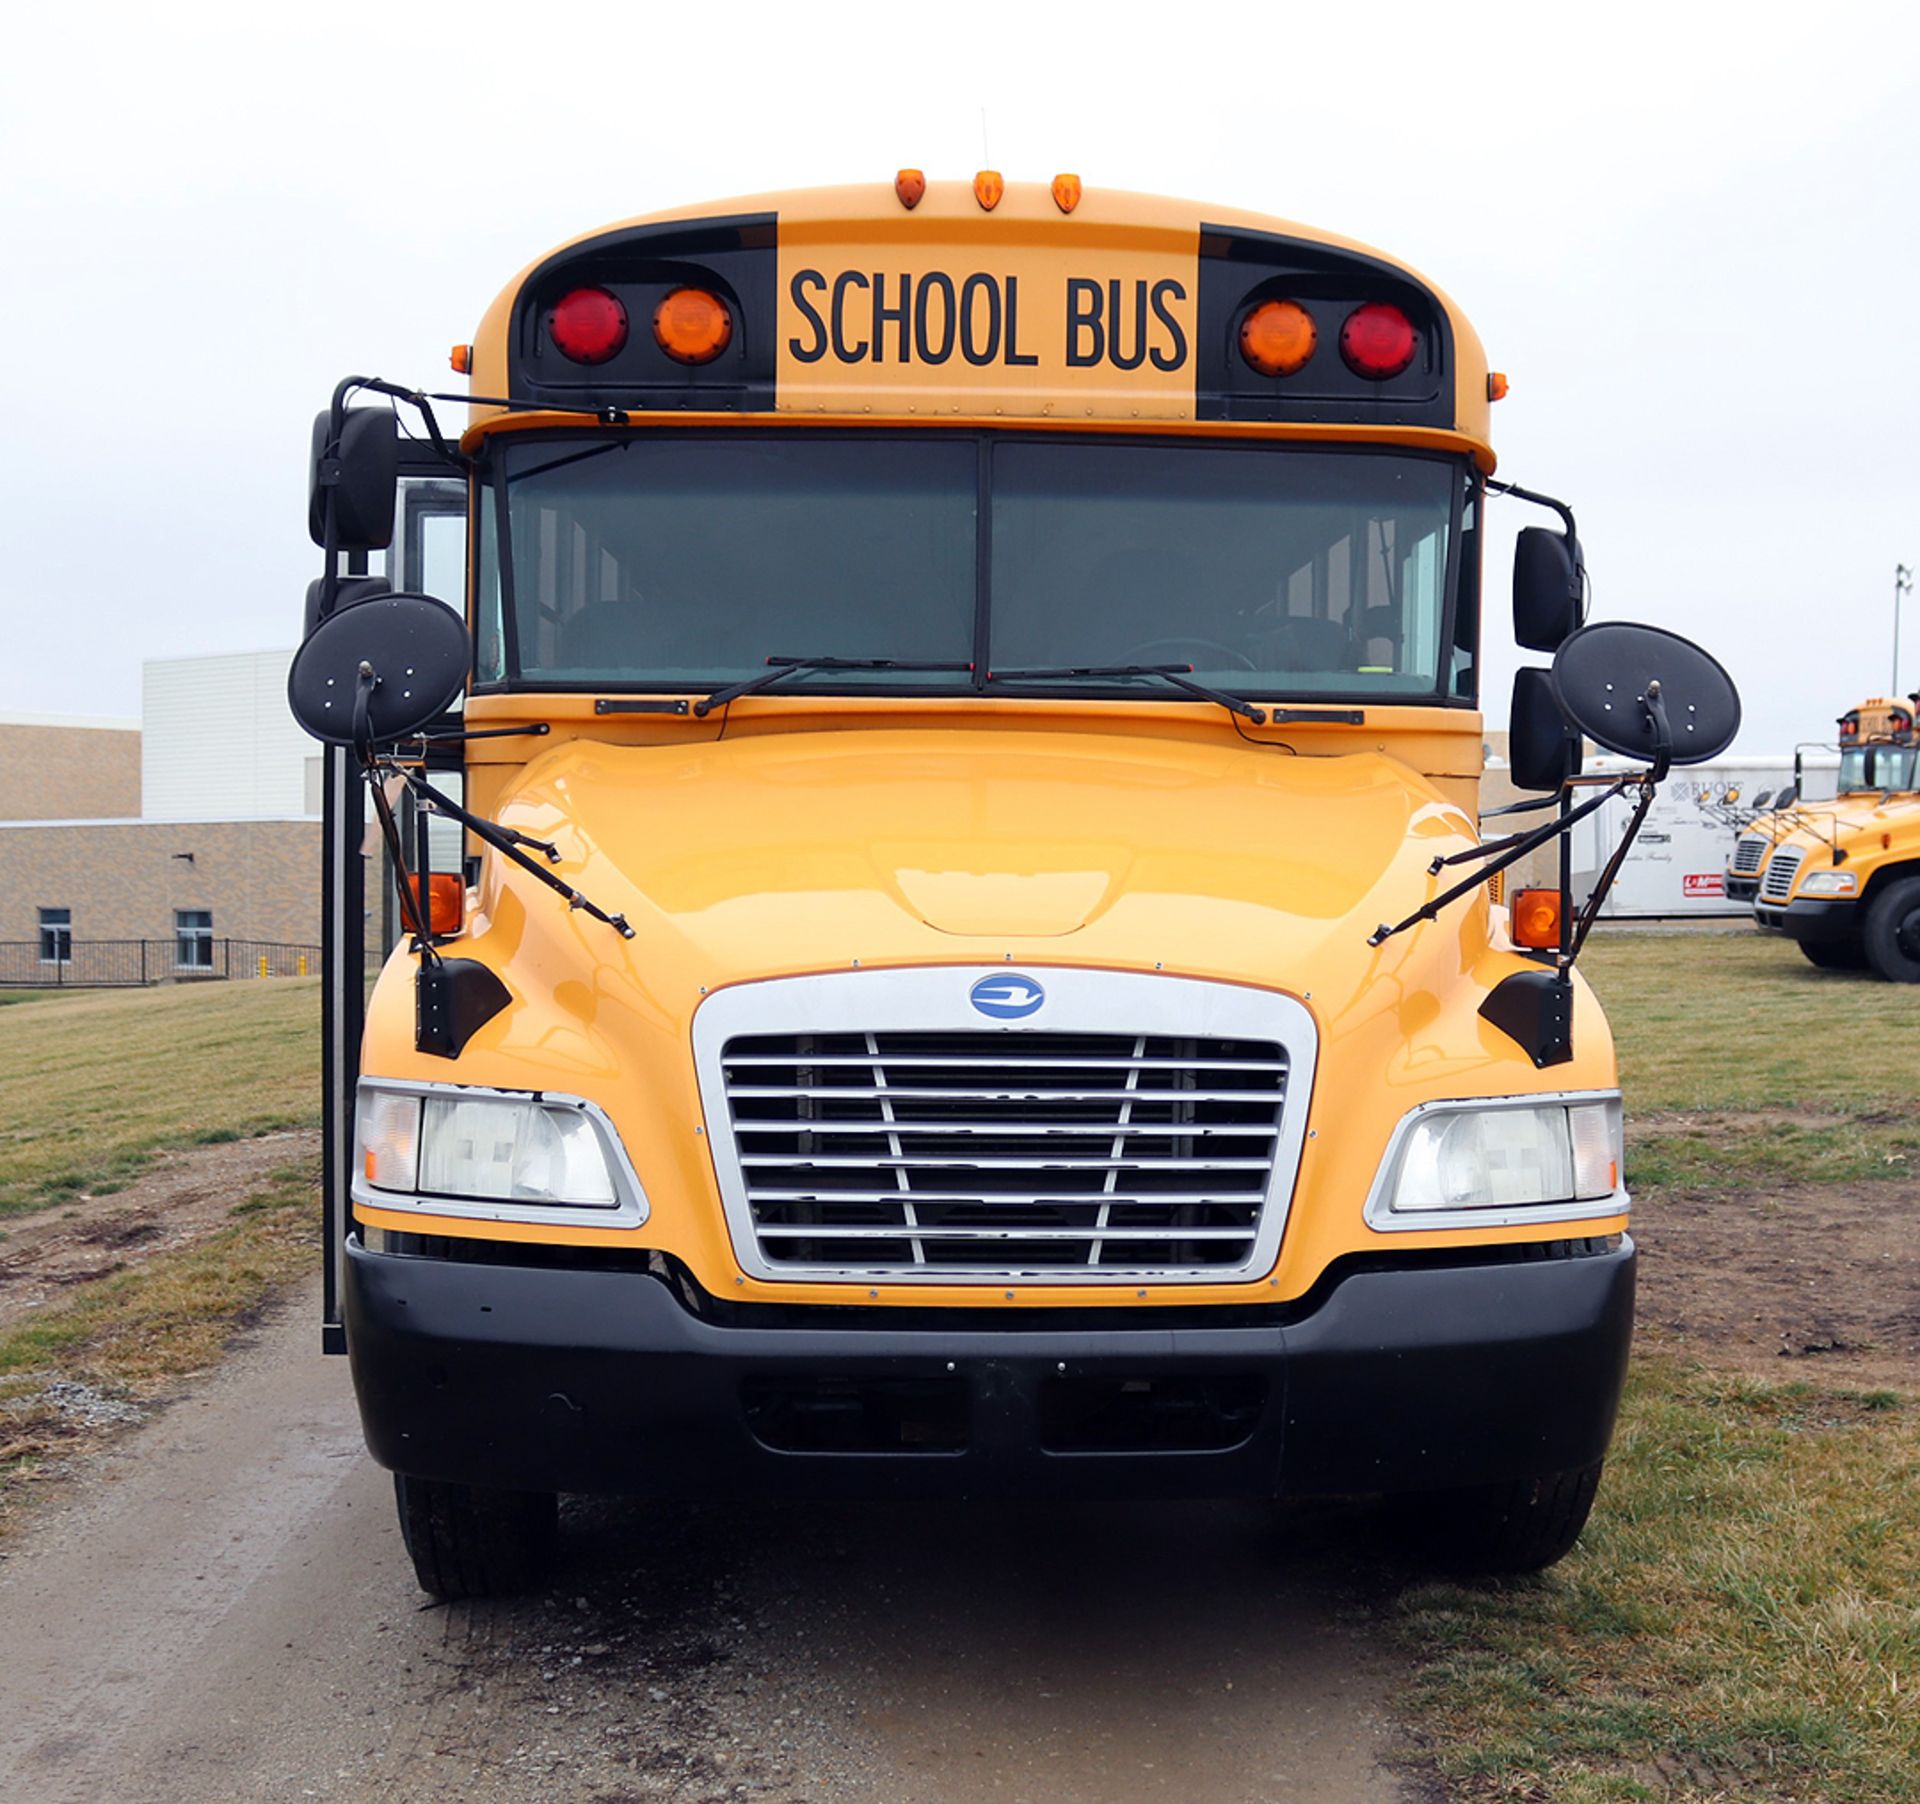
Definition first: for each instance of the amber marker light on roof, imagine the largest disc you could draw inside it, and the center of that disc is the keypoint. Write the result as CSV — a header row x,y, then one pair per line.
x,y
692,326
1278,337
988,188
461,360
1066,192
911,186
1497,385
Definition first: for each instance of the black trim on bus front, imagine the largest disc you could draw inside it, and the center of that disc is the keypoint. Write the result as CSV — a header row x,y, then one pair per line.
x,y
1241,269
736,256
1441,695
1436,1374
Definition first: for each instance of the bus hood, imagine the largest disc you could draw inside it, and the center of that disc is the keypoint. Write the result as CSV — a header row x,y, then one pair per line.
x,y
790,852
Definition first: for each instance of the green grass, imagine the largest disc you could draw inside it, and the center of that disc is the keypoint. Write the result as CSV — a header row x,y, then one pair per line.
x,y
1736,1019
92,1084
1741,1620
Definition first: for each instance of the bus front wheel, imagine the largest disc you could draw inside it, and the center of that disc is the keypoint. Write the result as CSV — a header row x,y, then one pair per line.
x,y
1524,1526
466,1541
1893,932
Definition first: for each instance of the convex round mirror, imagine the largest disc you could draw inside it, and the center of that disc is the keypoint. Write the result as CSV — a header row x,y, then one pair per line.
x,y
1600,677
419,653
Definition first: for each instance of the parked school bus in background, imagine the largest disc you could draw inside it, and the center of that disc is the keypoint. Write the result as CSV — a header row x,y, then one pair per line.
x,y
982,665
1842,881
1875,760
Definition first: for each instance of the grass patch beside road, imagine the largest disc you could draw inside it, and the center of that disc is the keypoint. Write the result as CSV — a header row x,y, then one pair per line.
x,y
1738,1020
75,1367
1741,1620
93,1083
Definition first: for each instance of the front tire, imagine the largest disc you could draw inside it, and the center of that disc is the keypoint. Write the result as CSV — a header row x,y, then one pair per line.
x,y
1893,932
1834,955
466,1541
1523,1526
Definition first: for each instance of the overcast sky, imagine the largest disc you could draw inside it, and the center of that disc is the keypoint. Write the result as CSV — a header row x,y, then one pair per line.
x,y
1688,234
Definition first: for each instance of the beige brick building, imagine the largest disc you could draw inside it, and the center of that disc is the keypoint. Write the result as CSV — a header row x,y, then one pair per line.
x,y
130,880
189,830
55,767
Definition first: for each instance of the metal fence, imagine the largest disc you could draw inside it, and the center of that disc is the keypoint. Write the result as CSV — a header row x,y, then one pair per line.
x,y
127,964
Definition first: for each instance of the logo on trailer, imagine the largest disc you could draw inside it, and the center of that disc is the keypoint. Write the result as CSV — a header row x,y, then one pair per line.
x,y
1703,883
1006,997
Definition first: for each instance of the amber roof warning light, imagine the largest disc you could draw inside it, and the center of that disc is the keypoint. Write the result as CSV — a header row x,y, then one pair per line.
x,y
1278,337
692,326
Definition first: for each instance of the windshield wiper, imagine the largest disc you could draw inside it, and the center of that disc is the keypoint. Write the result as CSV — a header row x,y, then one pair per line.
x,y
786,667
1180,675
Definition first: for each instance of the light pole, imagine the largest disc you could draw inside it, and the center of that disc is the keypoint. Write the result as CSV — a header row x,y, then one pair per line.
x,y
1902,587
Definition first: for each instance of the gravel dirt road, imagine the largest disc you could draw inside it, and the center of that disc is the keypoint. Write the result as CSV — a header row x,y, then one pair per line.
x,y
218,1609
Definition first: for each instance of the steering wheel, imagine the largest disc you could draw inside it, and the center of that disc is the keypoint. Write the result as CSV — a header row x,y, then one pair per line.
x,y
1162,651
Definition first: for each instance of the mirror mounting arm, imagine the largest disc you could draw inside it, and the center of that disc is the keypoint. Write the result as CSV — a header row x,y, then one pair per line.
x,y
1538,499
507,841
1500,855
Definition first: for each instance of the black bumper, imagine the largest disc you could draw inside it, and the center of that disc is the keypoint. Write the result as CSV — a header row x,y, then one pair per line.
x,y
1819,920
1742,889
544,1379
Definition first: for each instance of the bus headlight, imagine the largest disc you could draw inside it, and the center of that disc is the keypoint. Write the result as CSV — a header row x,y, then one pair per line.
x,y
1499,1162
1829,883
490,1152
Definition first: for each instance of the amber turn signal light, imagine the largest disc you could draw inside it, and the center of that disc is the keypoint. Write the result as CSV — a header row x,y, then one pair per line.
x,y
911,186
692,326
1536,919
1066,192
460,358
988,188
446,903
1497,385
1278,337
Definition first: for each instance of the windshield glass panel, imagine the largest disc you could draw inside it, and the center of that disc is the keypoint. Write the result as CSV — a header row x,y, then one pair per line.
x,y
1879,767
1266,570
688,562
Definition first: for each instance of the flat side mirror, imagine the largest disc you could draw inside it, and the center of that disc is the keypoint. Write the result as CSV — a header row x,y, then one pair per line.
x,y
1542,751
1646,693
380,670
360,474
349,590
1547,588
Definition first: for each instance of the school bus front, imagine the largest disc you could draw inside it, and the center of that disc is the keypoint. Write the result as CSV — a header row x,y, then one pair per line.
x,y
1000,665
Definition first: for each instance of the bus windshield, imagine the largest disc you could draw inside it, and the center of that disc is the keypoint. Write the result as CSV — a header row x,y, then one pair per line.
x,y
1880,767
685,561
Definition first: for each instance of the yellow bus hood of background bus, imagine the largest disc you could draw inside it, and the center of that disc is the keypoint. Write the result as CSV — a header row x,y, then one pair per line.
x,y
853,848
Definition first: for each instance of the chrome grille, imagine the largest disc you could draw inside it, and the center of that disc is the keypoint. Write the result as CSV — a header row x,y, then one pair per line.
x,y
1777,884
989,1154
1748,853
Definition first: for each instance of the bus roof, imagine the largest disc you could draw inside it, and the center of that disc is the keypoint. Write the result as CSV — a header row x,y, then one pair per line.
x,y
846,305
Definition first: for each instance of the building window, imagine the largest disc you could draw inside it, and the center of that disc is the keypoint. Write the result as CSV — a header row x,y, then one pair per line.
x,y
56,936
193,939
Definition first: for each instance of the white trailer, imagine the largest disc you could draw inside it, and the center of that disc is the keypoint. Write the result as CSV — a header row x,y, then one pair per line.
x,y
1677,867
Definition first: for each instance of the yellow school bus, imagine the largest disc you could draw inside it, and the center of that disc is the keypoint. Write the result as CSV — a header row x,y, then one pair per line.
x,y
1842,880
1876,750
984,665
